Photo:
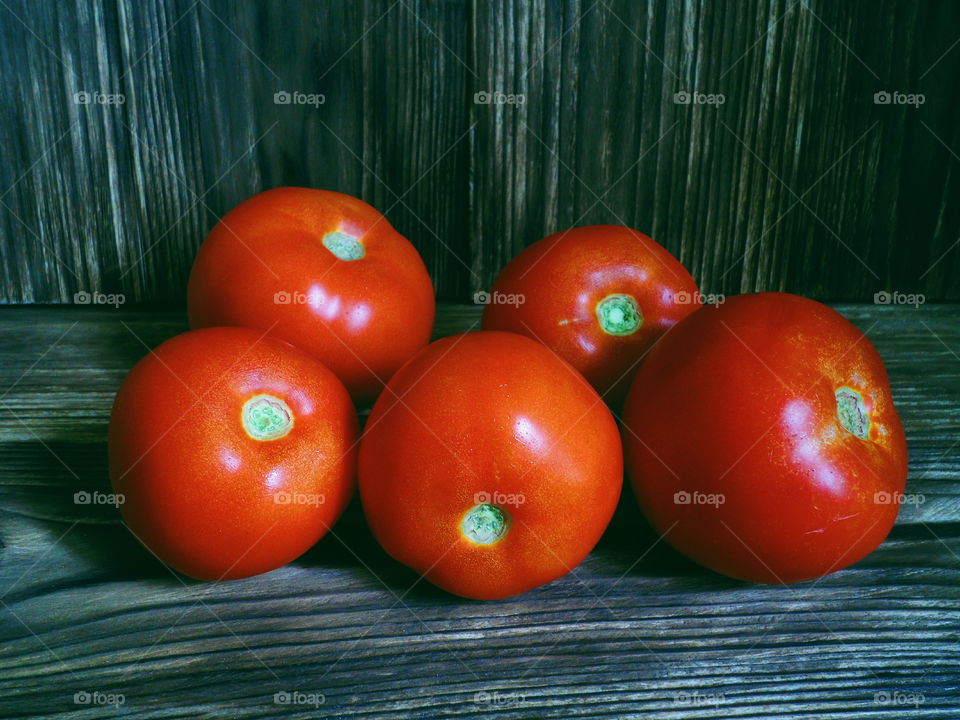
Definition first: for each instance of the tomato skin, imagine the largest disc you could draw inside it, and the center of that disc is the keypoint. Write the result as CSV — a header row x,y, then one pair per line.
x,y
741,401
200,492
362,318
563,277
528,435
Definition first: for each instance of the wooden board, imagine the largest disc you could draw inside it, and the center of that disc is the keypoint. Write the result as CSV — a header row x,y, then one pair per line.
x,y
798,181
635,632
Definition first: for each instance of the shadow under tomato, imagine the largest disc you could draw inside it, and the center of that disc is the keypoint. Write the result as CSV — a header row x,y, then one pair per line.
x,y
351,546
630,545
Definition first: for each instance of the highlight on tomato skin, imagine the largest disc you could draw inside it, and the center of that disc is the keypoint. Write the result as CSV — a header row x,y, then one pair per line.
x,y
489,465
324,271
762,440
598,295
233,452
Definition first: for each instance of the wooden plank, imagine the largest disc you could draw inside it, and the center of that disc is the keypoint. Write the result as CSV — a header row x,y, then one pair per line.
x,y
789,184
613,640
121,196
636,631
798,181
413,76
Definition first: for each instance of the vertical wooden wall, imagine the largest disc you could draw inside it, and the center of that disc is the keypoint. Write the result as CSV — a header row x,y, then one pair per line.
x,y
799,180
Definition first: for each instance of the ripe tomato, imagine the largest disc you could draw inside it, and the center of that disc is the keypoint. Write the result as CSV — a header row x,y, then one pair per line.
x,y
599,296
234,452
762,439
323,271
489,465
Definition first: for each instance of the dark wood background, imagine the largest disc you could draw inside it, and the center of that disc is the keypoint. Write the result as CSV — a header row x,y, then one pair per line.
x,y
798,181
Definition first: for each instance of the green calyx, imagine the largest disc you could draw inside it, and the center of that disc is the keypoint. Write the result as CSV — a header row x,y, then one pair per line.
x,y
619,315
266,417
852,412
344,245
484,524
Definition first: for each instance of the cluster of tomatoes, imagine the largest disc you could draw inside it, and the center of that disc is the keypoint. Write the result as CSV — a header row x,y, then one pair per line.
x,y
759,433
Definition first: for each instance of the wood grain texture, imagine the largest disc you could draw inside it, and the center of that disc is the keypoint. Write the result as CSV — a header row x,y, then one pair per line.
x,y
798,181
635,632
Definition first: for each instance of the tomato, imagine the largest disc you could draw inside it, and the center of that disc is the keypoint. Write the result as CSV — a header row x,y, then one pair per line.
x,y
489,466
233,451
599,296
762,439
323,271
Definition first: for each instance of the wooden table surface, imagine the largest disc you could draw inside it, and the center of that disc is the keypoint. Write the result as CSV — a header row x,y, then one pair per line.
x,y
92,626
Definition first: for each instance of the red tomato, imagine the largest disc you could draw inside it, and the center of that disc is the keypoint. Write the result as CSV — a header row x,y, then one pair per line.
x,y
489,465
762,439
599,296
234,452
323,271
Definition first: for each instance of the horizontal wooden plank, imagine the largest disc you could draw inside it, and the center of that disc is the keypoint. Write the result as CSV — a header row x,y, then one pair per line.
x,y
479,127
636,631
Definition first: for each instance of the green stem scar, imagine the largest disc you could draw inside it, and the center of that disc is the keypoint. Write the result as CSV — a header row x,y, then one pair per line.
x,y
852,413
266,417
619,315
344,245
484,524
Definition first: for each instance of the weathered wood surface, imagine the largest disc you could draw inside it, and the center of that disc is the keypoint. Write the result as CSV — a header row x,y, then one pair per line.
x,y
635,632
797,181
